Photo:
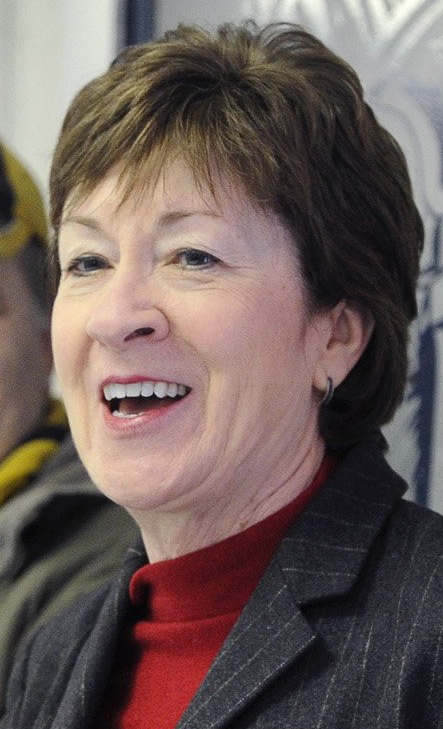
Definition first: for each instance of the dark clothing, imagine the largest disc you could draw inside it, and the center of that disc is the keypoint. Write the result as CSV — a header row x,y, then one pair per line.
x,y
59,538
343,631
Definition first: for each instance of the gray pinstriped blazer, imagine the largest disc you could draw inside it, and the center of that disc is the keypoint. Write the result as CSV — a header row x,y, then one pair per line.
x,y
343,632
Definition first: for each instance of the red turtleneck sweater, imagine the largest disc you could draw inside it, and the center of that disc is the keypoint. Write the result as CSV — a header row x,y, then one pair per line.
x,y
184,610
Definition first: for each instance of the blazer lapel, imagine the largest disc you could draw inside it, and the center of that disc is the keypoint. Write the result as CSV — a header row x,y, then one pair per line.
x,y
94,658
270,633
320,558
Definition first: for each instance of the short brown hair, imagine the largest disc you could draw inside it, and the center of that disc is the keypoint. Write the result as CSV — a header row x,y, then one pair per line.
x,y
281,114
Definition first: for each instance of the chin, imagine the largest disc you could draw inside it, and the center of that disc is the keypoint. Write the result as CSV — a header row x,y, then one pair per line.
x,y
137,493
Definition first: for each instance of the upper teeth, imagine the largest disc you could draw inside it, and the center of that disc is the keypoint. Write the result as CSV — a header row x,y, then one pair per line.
x,y
145,389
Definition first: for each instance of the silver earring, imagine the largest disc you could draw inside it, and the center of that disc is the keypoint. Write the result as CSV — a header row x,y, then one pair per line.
x,y
329,392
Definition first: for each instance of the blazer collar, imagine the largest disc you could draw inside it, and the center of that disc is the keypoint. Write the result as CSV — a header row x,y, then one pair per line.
x,y
320,558
324,551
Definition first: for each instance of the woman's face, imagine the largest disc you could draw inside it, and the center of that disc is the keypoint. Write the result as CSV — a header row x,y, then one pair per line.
x,y
183,347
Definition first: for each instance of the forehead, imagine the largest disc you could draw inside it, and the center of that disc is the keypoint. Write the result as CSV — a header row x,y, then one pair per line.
x,y
173,189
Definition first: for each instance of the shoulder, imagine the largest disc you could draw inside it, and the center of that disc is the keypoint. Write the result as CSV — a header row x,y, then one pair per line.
x,y
418,520
411,546
103,605
46,660
409,537
366,567
69,627
358,530
80,639
399,571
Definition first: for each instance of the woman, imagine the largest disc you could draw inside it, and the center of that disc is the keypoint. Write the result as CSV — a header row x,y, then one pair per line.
x,y
237,248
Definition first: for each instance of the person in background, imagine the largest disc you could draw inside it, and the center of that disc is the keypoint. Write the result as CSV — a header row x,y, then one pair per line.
x,y
237,250
59,537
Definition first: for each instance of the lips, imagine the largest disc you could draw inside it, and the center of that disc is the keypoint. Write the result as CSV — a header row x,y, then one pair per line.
x,y
129,400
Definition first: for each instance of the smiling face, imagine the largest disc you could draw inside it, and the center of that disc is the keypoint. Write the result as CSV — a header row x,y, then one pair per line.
x,y
184,350
25,358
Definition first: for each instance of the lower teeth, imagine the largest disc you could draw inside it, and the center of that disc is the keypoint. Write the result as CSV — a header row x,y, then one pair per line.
x,y
118,414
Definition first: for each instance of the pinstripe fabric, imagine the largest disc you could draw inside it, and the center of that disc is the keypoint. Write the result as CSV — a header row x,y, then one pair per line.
x,y
343,632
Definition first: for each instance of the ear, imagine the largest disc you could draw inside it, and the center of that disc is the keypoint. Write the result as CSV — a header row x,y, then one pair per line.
x,y
347,330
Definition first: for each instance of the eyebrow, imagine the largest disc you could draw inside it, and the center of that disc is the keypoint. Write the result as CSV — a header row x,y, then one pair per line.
x,y
164,221
176,215
83,220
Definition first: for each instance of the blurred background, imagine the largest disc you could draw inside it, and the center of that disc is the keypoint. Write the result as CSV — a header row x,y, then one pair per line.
x,y
50,48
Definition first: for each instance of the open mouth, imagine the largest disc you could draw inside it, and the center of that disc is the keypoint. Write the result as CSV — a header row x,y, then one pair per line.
x,y
135,398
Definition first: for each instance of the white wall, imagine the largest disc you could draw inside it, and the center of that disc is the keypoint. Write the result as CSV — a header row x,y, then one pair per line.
x,y
48,50
202,12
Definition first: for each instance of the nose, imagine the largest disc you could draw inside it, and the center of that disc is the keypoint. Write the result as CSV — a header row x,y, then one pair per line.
x,y
126,309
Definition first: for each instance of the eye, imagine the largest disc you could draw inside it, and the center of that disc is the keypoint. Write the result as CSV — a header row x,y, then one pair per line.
x,y
84,265
193,258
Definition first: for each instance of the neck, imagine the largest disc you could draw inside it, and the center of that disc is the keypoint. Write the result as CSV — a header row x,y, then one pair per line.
x,y
172,533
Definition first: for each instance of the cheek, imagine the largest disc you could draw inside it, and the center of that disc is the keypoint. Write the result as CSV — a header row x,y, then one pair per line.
x,y
65,336
56,339
253,340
